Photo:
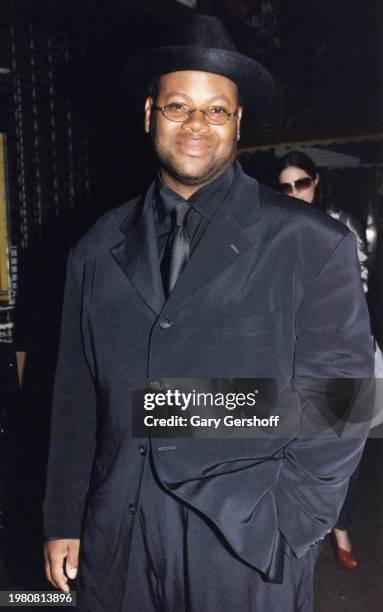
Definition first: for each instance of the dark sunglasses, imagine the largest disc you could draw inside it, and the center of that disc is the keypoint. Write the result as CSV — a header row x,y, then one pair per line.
x,y
300,185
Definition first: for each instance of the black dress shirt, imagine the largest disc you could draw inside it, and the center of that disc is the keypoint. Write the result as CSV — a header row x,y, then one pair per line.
x,y
203,204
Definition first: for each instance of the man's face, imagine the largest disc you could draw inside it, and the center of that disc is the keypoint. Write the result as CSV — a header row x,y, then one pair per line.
x,y
194,152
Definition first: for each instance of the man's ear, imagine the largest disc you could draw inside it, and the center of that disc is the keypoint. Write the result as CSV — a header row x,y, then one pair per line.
x,y
148,113
316,181
240,111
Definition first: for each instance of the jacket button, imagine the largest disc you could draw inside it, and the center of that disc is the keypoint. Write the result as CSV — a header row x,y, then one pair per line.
x,y
132,509
165,323
155,384
142,449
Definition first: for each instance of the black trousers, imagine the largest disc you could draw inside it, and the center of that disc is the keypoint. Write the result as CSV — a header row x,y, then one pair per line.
x,y
345,517
182,565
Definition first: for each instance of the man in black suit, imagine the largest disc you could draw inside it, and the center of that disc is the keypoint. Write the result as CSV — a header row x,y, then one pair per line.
x,y
207,275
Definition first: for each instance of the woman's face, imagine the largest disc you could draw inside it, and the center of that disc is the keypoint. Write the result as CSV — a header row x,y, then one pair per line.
x,y
295,182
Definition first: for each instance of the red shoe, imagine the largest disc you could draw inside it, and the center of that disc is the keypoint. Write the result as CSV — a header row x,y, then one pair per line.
x,y
346,558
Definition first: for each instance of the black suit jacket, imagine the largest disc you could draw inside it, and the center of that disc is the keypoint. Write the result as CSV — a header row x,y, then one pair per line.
x,y
272,290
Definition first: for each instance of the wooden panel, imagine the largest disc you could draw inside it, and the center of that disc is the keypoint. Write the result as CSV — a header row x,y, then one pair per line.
x,y
4,248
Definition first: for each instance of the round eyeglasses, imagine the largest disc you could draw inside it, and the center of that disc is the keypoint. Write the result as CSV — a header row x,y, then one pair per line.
x,y
215,115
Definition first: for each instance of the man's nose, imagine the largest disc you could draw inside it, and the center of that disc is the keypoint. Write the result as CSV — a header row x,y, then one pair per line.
x,y
196,122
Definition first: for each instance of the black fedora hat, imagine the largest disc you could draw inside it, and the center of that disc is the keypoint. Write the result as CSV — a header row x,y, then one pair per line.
x,y
201,43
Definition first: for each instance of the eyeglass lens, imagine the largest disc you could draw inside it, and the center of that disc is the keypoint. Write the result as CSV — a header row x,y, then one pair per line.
x,y
214,115
300,185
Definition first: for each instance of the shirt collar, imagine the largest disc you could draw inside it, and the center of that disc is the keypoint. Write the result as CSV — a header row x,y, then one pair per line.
x,y
205,201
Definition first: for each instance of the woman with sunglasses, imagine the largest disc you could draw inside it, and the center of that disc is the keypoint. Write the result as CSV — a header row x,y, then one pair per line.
x,y
297,176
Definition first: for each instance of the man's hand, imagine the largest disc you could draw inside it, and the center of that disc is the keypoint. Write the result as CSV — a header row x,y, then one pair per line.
x,y
61,560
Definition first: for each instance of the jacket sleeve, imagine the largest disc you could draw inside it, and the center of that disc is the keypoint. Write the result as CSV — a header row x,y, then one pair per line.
x,y
73,428
278,495
332,375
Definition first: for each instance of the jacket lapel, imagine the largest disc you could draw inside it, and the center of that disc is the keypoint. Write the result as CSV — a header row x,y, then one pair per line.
x,y
234,229
231,233
137,253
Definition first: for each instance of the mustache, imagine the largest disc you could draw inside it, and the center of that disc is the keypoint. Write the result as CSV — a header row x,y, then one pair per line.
x,y
189,138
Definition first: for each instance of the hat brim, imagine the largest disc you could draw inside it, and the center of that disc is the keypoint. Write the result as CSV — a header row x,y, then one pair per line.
x,y
255,83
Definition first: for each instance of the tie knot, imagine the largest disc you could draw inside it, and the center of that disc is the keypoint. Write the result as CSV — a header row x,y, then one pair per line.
x,y
181,210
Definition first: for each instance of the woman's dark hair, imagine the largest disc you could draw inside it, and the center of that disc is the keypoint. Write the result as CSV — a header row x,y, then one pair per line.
x,y
297,159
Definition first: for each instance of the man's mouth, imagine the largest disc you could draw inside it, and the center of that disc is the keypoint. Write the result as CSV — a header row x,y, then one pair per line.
x,y
196,147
